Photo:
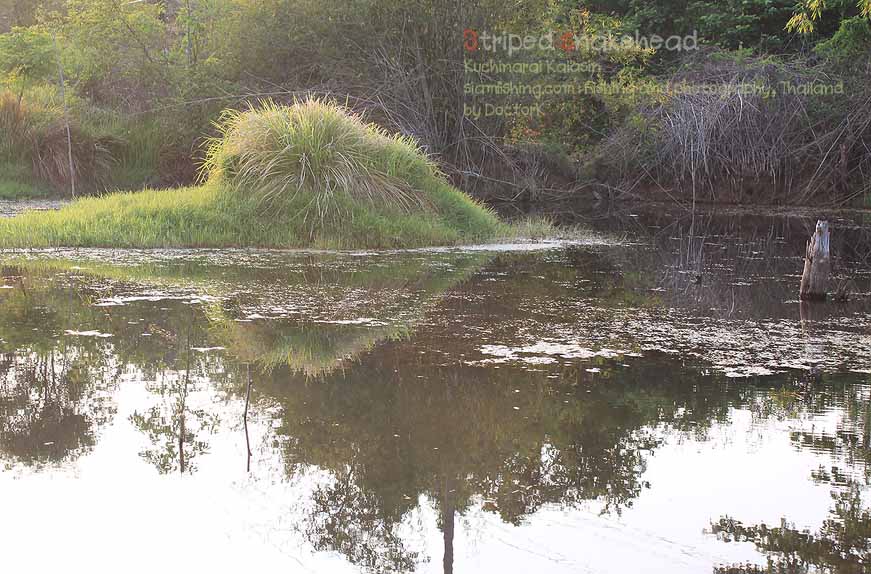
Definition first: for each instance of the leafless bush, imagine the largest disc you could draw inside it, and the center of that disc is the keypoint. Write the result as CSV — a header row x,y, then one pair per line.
x,y
738,129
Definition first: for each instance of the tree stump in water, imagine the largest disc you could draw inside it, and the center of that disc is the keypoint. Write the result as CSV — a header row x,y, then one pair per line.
x,y
815,278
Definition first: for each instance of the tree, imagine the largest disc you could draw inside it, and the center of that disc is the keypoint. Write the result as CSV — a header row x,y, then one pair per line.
x,y
842,545
26,55
116,51
809,11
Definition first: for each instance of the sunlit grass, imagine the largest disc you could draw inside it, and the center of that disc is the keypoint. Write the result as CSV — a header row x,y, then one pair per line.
x,y
311,175
213,216
320,150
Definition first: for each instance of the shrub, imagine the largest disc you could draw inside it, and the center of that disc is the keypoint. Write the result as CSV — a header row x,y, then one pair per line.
x,y
14,126
738,128
93,158
34,135
320,151
850,44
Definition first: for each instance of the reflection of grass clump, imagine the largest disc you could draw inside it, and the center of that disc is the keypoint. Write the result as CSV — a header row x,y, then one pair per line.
x,y
399,289
312,174
312,349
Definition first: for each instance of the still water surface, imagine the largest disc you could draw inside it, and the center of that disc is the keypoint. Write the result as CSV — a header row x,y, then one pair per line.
x,y
654,400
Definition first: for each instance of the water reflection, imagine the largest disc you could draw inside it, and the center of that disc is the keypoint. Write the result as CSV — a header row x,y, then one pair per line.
x,y
50,406
176,429
397,395
70,327
53,398
458,435
842,544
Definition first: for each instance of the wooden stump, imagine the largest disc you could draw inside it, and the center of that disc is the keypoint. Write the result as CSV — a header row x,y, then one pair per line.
x,y
817,266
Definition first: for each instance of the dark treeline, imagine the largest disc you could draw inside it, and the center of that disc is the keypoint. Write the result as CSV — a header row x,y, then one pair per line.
x,y
759,101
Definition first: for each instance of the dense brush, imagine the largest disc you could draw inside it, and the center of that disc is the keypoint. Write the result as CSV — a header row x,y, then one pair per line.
x,y
35,135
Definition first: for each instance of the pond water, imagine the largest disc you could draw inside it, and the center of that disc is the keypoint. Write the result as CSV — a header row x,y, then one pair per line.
x,y
654,399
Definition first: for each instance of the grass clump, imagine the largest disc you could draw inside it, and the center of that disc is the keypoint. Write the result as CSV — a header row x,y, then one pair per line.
x,y
319,150
308,175
34,148
110,151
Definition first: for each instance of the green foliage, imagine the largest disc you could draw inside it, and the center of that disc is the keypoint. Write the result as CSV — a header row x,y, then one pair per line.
x,y
148,79
26,55
744,23
113,50
808,12
110,151
273,40
729,24
764,25
35,141
14,13
14,189
851,43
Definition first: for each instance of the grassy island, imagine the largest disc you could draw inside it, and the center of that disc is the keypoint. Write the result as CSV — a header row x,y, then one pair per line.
x,y
308,175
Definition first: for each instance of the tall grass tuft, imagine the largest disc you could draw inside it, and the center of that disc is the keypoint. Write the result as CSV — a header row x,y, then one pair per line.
x,y
93,158
317,150
32,133
14,126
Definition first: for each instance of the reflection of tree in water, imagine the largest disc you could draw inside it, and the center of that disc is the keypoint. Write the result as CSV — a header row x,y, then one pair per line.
x,y
173,426
843,543
55,388
54,392
50,406
841,546
396,425
848,444
401,425
389,435
345,518
52,298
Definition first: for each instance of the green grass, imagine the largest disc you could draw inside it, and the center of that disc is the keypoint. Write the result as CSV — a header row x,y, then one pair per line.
x,y
309,175
212,216
16,183
17,191
110,151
